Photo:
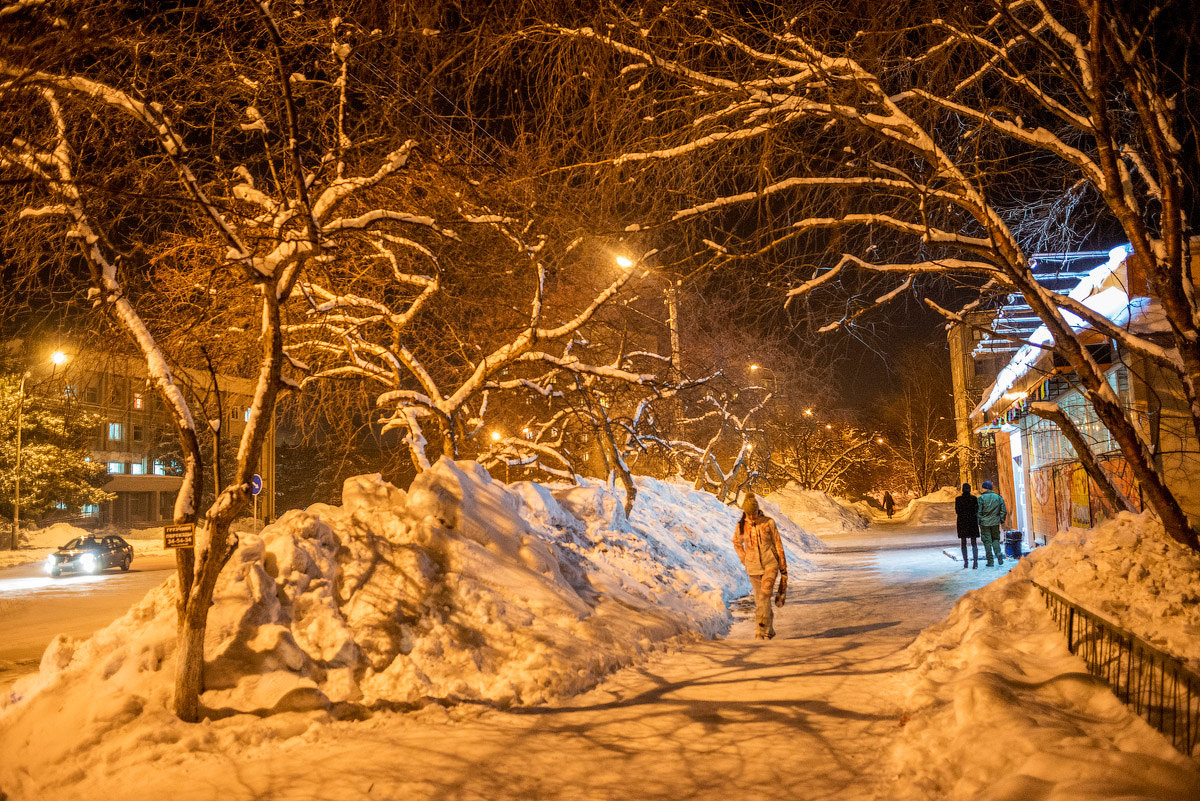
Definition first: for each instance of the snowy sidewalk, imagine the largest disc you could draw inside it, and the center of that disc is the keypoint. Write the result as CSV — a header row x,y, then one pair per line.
x,y
808,715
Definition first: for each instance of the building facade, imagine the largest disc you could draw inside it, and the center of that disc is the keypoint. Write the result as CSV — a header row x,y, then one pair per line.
x,y
1039,472
136,438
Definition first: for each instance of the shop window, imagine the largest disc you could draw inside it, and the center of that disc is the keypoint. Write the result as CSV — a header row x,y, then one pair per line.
x,y
137,469
116,468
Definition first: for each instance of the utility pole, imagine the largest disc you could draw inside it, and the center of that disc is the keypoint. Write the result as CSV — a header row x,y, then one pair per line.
x,y
16,526
673,322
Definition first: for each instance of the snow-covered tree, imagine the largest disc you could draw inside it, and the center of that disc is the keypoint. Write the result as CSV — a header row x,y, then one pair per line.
x,y
57,474
923,147
820,451
918,420
242,232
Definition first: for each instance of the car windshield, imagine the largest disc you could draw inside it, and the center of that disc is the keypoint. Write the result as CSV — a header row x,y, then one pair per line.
x,y
82,542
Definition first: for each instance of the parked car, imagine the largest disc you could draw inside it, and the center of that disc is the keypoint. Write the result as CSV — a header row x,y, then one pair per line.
x,y
90,555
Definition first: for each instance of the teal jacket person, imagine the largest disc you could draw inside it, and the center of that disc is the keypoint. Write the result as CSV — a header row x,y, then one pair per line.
x,y
992,510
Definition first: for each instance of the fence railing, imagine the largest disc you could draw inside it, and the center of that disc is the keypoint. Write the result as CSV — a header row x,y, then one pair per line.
x,y
1155,684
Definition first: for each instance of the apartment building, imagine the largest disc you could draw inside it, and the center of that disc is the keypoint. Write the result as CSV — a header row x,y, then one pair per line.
x,y
136,439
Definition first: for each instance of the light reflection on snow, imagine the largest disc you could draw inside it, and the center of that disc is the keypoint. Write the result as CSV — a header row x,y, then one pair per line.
x,y
16,586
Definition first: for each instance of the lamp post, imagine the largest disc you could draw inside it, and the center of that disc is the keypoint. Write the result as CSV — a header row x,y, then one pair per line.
x,y
755,368
57,358
16,525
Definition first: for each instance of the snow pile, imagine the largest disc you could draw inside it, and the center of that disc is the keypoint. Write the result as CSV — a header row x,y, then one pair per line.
x,y
1000,709
459,589
1129,571
789,531
52,536
934,509
816,511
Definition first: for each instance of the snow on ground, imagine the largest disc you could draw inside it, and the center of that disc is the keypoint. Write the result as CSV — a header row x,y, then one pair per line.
x,y
510,599
817,512
38,543
461,589
999,708
934,509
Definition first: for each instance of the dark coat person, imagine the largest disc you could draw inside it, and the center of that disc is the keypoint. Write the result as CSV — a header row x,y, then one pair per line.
x,y
889,504
966,517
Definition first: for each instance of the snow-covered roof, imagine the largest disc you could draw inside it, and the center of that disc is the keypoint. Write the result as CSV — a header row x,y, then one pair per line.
x,y
1099,292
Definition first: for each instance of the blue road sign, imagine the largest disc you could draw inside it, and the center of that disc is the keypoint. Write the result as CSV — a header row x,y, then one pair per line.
x,y
255,484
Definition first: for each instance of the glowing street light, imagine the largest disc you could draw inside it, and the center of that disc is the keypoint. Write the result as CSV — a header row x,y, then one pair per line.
x,y
624,262
56,358
808,412
754,367
495,436
829,426
880,440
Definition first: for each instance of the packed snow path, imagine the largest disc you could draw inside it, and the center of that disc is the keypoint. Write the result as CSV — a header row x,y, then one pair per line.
x,y
808,715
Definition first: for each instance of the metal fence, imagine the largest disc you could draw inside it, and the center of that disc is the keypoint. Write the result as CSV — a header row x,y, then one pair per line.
x,y
1156,685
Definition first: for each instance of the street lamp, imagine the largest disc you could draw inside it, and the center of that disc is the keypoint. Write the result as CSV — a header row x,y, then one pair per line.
x,y
624,262
495,436
57,358
754,368
16,525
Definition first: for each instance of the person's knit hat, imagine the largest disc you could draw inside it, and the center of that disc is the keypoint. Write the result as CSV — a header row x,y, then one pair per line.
x,y
750,504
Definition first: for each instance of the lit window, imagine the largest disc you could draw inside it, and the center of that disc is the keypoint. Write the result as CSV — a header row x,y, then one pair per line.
x,y
137,400
159,469
90,510
116,431
136,468
60,505
116,468
246,417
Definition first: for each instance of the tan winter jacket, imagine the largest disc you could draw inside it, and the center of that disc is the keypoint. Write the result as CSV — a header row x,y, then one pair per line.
x,y
758,545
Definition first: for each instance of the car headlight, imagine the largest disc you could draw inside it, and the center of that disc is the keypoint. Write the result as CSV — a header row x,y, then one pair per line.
x,y
50,562
88,562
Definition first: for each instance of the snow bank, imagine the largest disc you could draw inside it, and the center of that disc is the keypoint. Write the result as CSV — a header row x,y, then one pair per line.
x,y
1000,710
52,536
934,509
459,589
816,511
1129,571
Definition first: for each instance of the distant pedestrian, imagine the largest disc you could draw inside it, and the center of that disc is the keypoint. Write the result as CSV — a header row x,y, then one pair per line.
x,y
992,514
757,543
889,503
966,514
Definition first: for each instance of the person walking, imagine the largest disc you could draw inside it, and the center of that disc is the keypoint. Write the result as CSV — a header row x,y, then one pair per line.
x,y
992,514
757,543
966,514
889,503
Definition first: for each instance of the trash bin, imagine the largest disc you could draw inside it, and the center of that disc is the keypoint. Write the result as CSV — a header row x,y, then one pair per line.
x,y
1013,544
